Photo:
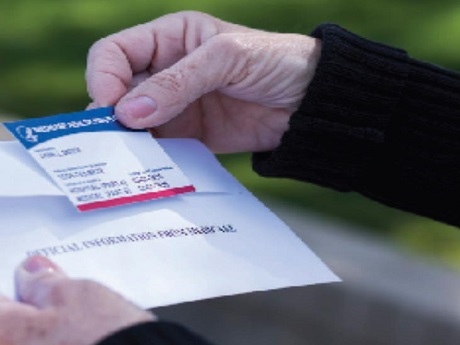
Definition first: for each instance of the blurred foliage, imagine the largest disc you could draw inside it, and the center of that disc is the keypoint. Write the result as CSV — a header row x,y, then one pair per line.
x,y
43,48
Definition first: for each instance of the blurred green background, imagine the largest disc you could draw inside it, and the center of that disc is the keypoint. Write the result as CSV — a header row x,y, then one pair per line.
x,y
43,47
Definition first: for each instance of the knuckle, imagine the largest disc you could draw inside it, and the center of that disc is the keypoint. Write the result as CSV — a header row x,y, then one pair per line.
x,y
169,80
227,43
86,285
58,291
191,14
231,48
96,46
235,52
104,50
85,288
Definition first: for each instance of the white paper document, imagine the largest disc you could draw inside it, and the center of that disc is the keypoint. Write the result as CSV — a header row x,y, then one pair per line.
x,y
217,241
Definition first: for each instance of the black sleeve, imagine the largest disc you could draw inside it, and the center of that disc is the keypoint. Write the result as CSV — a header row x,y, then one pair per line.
x,y
377,122
154,333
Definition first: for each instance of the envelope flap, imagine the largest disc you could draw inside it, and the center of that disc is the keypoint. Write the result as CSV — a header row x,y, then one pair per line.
x,y
200,166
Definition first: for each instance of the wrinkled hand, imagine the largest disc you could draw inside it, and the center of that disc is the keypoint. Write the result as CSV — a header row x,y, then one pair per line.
x,y
191,75
57,310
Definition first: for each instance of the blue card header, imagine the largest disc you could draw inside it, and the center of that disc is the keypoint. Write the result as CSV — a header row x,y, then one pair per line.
x,y
32,132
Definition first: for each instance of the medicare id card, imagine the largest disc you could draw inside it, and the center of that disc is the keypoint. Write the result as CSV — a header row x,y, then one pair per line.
x,y
99,163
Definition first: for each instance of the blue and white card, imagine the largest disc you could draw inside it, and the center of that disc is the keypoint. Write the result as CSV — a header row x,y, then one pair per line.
x,y
97,162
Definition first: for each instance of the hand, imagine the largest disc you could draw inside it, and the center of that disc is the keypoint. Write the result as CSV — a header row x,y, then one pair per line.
x,y
55,309
192,75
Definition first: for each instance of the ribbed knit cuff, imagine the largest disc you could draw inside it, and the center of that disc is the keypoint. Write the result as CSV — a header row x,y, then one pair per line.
x,y
343,117
157,333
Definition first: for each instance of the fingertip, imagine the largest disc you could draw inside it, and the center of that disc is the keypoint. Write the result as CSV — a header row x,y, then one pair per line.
x,y
105,89
38,263
34,269
33,278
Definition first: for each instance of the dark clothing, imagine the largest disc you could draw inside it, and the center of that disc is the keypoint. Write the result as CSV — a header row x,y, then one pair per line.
x,y
376,122
154,333
373,121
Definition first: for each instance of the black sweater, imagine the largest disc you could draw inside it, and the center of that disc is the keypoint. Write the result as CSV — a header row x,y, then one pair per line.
x,y
376,122
154,333
373,121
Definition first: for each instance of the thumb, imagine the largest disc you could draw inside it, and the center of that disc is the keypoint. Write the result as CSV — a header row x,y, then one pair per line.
x,y
166,94
36,278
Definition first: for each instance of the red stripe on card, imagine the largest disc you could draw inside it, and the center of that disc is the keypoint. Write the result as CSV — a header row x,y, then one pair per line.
x,y
135,198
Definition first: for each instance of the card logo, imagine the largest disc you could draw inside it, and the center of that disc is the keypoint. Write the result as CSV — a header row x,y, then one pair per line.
x,y
27,133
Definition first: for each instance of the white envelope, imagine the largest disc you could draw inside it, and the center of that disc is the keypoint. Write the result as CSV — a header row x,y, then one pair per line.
x,y
217,241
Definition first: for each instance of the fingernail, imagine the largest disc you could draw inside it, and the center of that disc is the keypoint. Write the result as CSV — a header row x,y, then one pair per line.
x,y
37,264
138,108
